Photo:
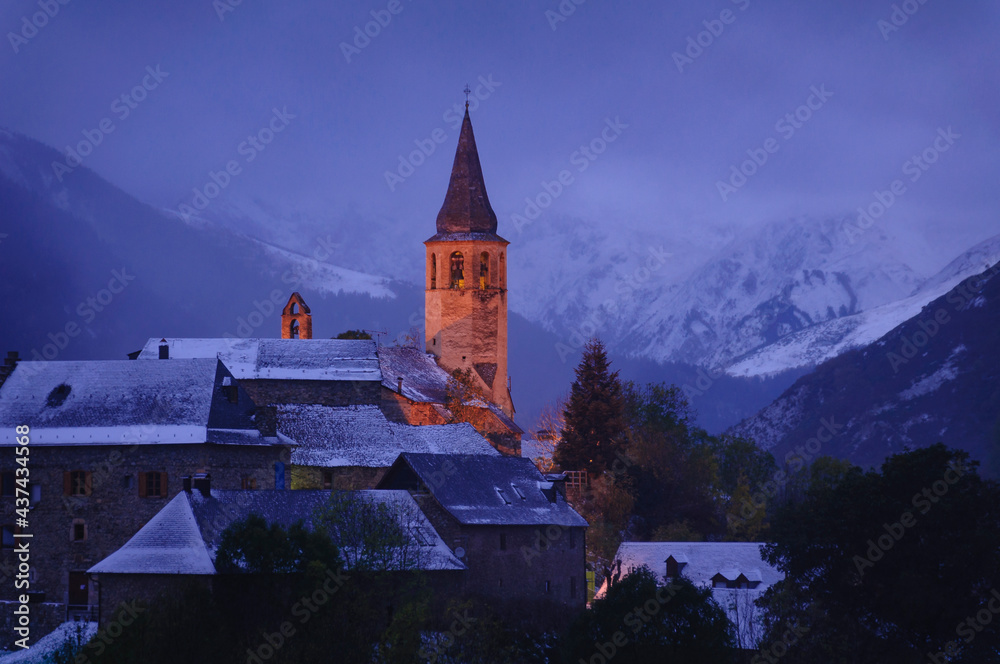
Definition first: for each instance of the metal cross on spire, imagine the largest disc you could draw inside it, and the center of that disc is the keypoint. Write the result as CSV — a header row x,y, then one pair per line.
x,y
467,92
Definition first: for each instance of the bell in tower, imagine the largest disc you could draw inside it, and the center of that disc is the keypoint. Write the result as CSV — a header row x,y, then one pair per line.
x,y
296,321
466,284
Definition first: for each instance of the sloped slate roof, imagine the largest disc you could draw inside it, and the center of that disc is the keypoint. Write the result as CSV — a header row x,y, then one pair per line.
x,y
331,437
184,536
117,401
466,207
704,560
279,359
170,543
423,380
490,490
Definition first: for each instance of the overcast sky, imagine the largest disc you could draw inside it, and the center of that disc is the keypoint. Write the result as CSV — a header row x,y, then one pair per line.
x,y
680,128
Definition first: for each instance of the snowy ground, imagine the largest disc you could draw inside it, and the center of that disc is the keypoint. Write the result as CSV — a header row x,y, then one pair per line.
x,y
41,652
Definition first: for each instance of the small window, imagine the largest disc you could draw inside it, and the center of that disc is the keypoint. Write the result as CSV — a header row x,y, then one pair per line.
x,y
76,483
153,484
248,483
327,479
79,530
484,271
128,482
503,541
671,568
457,270
434,271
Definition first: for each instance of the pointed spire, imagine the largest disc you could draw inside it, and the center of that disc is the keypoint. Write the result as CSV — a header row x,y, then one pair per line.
x,y
466,206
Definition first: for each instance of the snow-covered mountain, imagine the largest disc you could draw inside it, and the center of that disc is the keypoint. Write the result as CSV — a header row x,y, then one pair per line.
x,y
702,305
816,344
933,378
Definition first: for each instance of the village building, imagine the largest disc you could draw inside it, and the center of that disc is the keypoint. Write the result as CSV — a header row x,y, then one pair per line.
x,y
178,547
351,448
521,542
466,280
735,571
110,443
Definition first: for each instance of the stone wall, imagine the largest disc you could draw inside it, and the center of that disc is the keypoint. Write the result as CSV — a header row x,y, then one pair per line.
x,y
344,478
537,563
321,392
114,511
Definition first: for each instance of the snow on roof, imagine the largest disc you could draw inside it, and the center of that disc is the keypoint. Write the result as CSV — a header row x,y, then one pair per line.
x,y
330,436
170,543
279,359
184,536
704,560
423,380
120,401
701,563
490,490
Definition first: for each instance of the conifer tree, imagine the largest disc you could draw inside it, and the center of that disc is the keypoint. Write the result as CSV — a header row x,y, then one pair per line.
x,y
595,415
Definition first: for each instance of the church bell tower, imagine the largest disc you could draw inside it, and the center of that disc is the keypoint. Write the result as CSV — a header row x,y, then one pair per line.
x,y
466,289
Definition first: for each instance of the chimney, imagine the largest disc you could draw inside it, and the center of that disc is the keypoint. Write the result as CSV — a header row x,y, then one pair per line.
x,y
164,350
399,384
203,482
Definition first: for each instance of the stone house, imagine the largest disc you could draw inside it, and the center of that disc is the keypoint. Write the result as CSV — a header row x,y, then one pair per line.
x,y
351,448
179,544
518,537
330,372
415,390
110,443
735,571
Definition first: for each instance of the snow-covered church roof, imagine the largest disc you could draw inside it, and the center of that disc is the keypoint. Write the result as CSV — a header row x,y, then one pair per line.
x,y
121,401
184,536
279,359
329,437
